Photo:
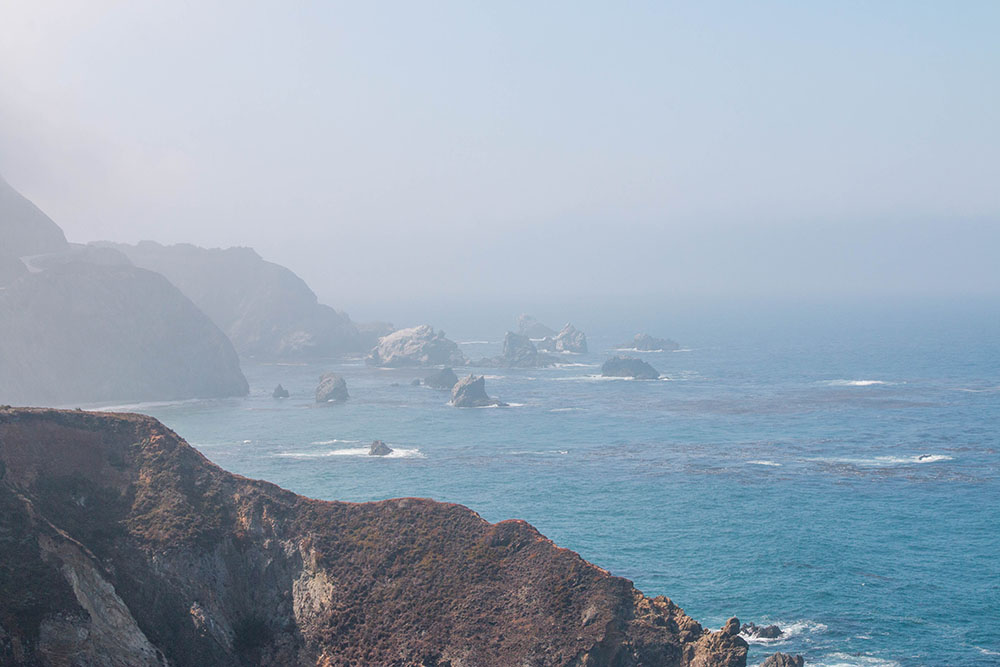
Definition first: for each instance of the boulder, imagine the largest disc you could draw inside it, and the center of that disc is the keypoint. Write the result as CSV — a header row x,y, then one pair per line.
x,y
629,367
784,660
415,382
379,448
761,631
532,328
417,346
646,343
332,389
442,379
279,392
470,392
570,339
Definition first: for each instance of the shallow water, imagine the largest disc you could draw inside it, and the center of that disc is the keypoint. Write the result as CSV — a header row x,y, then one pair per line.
x,y
840,482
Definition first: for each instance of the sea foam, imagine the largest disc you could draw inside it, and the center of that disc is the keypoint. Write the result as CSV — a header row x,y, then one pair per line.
x,y
397,453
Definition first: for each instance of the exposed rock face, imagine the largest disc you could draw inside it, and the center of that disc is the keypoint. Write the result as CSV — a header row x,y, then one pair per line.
x,y
646,343
279,392
417,346
629,367
122,545
761,632
84,333
570,339
379,448
784,660
265,309
470,392
532,328
442,379
24,229
332,389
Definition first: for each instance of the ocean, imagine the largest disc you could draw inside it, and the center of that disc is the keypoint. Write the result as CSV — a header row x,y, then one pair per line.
x,y
834,469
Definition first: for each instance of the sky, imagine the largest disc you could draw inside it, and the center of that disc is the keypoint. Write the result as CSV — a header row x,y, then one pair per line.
x,y
400,151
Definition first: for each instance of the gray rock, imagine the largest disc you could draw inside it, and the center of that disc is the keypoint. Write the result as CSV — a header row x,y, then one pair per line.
x,y
379,448
279,392
570,339
417,346
442,379
415,382
24,229
332,389
629,367
470,392
532,328
761,631
784,660
520,352
647,343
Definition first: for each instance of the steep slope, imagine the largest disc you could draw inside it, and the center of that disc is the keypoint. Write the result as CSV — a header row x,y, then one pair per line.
x,y
81,332
265,309
24,229
122,545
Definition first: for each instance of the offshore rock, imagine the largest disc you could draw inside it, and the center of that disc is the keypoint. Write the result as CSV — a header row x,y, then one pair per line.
x,y
417,346
761,631
784,660
629,367
570,339
379,448
122,545
646,343
442,379
332,389
470,392
279,392
532,328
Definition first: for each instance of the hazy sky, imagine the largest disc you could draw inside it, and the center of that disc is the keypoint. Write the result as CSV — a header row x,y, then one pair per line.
x,y
388,150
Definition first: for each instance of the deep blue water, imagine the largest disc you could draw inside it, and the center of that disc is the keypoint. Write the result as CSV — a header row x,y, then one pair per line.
x,y
776,476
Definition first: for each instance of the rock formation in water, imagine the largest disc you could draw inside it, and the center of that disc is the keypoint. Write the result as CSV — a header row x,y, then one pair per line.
x,y
646,343
470,392
760,631
417,346
629,367
442,379
570,339
379,448
783,660
264,308
122,545
332,389
279,392
532,328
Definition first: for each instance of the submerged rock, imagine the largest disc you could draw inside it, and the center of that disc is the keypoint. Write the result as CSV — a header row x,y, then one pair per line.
x,y
442,379
532,328
646,343
190,565
784,660
379,448
332,389
417,346
279,392
629,367
570,339
470,392
761,631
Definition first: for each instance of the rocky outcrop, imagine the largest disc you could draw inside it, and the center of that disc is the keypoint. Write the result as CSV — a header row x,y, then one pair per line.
x,y
265,309
532,328
755,631
24,229
279,392
442,379
646,343
784,660
520,352
417,346
332,389
122,545
379,448
629,367
470,392
570,339
82,333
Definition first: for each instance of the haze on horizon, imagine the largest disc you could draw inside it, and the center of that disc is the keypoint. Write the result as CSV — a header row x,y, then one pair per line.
x,y
393,151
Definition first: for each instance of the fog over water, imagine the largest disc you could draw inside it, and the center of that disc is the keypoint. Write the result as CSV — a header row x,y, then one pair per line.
x,y
401,155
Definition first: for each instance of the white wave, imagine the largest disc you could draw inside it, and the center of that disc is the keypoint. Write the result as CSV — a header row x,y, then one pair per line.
x,y
849,660
684,349
247,442
788,630
986,390
138,407
764,463
505,405
986,651
475,342
577,365
857,383
550,452
880,461
637,350
494,377
604,378
397,453
566,410
335,441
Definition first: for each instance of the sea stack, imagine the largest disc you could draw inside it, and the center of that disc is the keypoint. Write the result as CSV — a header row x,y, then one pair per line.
x,y
470,392
645,343
279,392
332,389
417,346
629,367
379,448
570,339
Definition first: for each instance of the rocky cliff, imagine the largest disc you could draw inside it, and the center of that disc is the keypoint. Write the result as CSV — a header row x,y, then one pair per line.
x,y
265,309
122,545
24,228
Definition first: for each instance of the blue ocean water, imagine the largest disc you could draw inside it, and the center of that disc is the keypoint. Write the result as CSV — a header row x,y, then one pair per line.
x,y
832,470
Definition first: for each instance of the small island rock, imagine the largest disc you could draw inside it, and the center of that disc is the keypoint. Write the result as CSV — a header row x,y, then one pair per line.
x,y
761,631
532,328
442,379
629,367
279,392
646,343
570,339
784,660
470,392
417,346
379,448
332,389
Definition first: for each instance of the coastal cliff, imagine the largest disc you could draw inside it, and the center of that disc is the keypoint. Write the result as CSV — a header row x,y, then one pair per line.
x,y
122,545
